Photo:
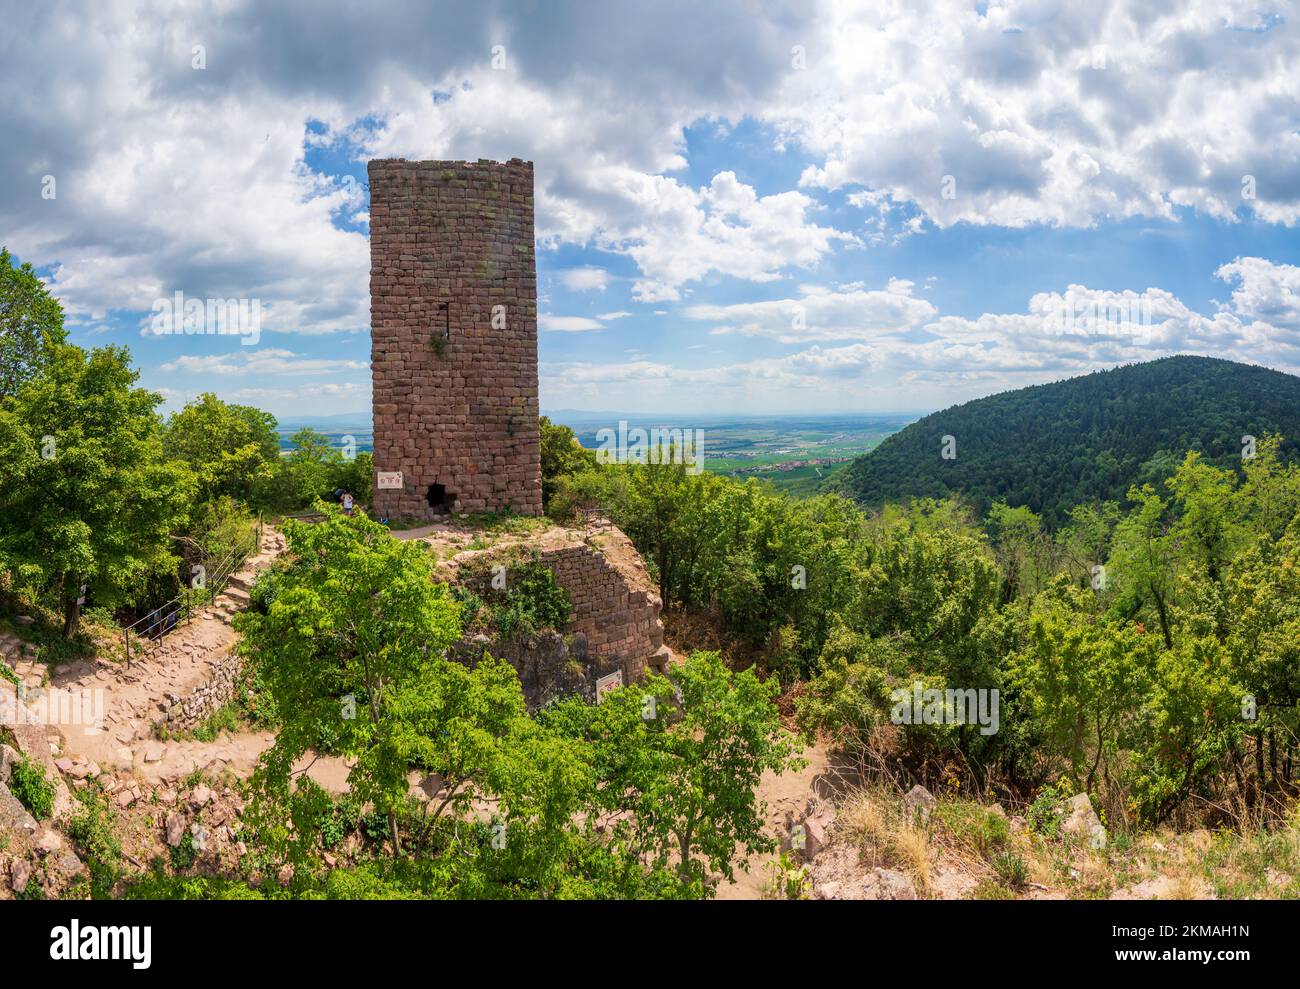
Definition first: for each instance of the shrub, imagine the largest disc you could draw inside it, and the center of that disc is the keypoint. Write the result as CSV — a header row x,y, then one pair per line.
x,y
531,600
1011,869
1046,813
341,821
989,890
92,831
29,784
184,854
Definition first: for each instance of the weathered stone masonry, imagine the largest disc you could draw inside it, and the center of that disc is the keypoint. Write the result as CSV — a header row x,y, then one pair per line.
x,y
453,310
615,623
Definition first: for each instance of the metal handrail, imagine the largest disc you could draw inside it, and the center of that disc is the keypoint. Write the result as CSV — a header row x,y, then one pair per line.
x,y
165,618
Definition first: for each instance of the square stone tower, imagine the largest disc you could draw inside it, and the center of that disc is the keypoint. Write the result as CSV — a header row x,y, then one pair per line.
x,y
453,338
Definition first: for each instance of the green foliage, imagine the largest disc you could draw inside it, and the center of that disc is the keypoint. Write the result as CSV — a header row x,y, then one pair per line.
x,y
777,570
1047,812
1124,648
89,497
1079,678
681,783
159,885
562,456
224,718
519,601
988,889
1011,869
984,832
342,820
313,469
1084,440
184,854
34,791
231,449
351,637
787,879
357,476
93,831
31,325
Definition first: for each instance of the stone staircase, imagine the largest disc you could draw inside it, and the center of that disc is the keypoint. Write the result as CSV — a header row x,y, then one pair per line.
x,y
182,679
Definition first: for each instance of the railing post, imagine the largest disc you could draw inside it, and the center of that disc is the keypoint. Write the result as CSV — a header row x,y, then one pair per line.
x,y
126,633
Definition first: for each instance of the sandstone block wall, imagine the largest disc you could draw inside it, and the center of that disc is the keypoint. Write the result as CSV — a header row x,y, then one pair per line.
x,y
453,313
616,611
615,604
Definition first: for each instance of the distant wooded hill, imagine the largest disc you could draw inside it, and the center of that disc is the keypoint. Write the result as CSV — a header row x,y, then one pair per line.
x,y
1054,446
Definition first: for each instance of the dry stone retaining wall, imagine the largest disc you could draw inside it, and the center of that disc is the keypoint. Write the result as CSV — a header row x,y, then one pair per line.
x,y
189,712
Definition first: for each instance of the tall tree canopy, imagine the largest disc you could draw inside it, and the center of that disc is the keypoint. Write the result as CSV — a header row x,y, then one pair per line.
x,y
31,323
88,497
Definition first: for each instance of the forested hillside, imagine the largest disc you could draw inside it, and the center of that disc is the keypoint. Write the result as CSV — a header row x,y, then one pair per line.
x,y
1051,447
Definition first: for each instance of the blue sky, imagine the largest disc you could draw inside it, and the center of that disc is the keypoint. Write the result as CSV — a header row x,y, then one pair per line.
x,y
746,207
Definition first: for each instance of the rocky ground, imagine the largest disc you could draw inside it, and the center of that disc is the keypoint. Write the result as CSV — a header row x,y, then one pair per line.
x,y
124,759
840,840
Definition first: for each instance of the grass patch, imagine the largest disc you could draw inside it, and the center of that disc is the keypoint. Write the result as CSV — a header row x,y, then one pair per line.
x,y
982,832
884,837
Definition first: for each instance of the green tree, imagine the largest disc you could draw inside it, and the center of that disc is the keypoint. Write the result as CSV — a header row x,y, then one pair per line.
x,y
31,324
678,779
1081,680
304,475
1207,528
230,448
352,636
1142,559
1015,535
562,455
1193,719
89,497
356,475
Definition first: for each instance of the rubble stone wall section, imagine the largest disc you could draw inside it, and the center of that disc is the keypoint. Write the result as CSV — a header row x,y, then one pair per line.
x,y
615,604
617,613
185,713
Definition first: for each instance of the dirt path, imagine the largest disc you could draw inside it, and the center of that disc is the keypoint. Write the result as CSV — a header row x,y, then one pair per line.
x,y
134,700
786,795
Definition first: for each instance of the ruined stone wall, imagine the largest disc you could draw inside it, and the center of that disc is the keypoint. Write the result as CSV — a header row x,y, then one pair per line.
x,y
614,605
453,313
615,623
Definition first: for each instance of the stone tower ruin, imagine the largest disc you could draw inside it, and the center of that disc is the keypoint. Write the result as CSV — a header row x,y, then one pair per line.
x,y
453,338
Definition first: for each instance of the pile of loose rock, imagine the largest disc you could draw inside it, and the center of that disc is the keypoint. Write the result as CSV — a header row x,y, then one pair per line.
x,y
36,859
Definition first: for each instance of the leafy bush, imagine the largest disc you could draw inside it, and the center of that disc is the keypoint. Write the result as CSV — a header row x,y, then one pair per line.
x,y
92,830
561,456
1047,812
184,855
530,601
33,790
343,818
